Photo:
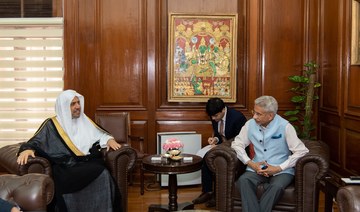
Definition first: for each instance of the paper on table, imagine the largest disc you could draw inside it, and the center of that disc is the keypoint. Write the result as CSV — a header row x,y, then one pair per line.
x,y
204,150
349,181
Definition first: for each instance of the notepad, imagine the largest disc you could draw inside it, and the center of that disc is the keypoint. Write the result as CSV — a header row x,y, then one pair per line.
x,y
204,150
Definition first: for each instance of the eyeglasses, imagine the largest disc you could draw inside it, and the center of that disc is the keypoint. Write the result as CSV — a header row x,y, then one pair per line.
x,y
257,113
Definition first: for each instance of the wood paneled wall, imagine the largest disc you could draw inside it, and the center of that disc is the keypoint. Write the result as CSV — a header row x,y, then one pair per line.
x,y
339,111
116,56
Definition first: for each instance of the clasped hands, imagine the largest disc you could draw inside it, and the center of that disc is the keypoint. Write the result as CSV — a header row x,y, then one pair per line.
x,y
268,171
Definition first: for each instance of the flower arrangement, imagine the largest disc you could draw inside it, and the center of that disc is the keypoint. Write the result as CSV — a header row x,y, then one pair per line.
x,y
172,144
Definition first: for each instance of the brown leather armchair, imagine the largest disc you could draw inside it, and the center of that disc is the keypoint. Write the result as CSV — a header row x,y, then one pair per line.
x,y
118,125
301,195
32,192
119,163
348,198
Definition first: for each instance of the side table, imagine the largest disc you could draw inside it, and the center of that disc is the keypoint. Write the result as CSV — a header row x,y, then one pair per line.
x,y
172,168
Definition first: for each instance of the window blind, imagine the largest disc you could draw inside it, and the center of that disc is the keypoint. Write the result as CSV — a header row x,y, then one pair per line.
x,y
26,8
31,74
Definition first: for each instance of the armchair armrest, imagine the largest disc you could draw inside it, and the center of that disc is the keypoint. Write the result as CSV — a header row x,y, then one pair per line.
x,y
120,163
32,192
308,171
120,160
36,165
8,157
223,162
348,198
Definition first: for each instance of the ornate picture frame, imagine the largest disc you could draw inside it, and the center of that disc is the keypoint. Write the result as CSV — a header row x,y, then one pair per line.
x,y
355,34
202,57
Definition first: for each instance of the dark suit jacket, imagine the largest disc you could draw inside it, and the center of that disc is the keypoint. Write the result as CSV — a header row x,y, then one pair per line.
x,y
234,122
5,205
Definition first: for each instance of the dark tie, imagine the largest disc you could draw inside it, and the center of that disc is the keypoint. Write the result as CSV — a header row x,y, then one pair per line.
x,y
222,133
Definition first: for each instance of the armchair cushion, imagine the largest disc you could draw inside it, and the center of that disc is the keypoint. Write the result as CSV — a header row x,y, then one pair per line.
x,y
302,195
32,192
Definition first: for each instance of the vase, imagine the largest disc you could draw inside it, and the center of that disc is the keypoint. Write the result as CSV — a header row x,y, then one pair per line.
x,y
174,152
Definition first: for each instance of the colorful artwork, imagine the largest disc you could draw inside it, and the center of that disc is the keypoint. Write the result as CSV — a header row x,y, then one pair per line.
x,y
202,57
355,36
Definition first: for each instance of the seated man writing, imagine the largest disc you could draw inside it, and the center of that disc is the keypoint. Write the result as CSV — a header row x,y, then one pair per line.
x,y
72,142
226,123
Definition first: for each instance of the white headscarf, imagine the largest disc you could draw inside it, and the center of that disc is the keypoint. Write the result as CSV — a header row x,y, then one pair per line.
x,y
81,131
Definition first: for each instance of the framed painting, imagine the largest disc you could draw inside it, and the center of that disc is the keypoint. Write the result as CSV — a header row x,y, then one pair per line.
x,y
202,57
355,34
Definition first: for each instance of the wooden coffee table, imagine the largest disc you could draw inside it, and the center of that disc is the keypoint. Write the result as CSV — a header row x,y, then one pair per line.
x,y
172,168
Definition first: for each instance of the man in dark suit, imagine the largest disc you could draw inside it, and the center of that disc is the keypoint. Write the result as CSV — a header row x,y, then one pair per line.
x,y
226,123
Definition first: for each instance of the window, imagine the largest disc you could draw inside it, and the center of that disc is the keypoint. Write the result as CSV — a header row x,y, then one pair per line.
x,y
26,8
31,74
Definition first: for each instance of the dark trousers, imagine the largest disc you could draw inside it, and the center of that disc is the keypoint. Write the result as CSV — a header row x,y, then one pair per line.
x,y
274,188
207,178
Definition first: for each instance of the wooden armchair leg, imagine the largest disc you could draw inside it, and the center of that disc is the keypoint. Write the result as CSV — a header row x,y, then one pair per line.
x,y
141,180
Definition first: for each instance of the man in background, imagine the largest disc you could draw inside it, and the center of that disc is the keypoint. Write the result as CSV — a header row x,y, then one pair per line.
x,y
226,123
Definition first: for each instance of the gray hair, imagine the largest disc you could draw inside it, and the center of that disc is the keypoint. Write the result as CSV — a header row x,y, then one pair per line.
x,y
268,103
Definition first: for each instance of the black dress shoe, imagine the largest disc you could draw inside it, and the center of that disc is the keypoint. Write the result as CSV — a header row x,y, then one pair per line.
x,y
211,203
205,196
